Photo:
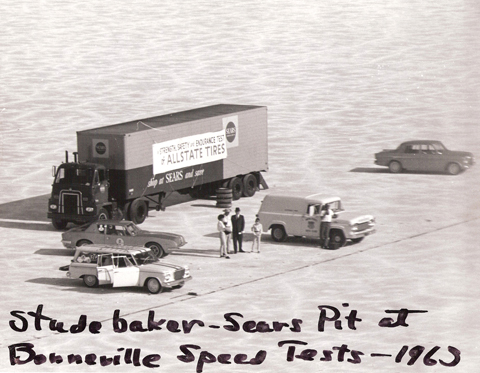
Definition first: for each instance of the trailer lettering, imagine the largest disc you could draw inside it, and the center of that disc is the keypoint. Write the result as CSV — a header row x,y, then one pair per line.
x,y
174,176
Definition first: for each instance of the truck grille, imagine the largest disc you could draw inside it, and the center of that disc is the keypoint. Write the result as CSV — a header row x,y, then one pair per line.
x,y
363,226
71,202
179,274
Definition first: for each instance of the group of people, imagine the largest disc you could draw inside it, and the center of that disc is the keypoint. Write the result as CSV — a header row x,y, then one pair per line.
x,y
231,229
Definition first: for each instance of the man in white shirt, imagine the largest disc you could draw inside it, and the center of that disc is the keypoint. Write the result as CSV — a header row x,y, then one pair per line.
x,y
326,215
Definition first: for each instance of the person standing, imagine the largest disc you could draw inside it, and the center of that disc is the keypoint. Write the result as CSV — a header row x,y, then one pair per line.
x,y
238,226
223,237
228,230
326,221
257,235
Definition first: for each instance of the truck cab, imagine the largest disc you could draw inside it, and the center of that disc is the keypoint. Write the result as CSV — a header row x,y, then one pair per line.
x,y
300,216
79,194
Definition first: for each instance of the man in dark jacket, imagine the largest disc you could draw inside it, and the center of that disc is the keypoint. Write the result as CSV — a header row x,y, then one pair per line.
x,y
238,225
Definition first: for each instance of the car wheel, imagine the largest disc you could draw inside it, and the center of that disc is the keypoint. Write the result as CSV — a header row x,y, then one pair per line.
x,y
157,249
59,224
154,286
236,186
83,243
278,233
138,211
453,169
395,167
103,214
337,240
249,185
90,281
357,240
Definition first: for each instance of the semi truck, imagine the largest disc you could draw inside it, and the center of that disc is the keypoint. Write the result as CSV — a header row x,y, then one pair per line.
x,y
126,169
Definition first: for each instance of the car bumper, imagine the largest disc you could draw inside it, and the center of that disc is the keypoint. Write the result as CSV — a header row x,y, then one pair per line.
x,y
174,283
68,244
364,233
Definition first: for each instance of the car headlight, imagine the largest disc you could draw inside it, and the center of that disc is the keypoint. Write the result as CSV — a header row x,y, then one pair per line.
x,y
355,228
168,276
89,209
53,207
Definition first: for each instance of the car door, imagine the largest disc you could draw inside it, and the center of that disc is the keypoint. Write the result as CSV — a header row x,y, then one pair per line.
x,y
310,221
434,160
410,157
114,235
105,269
125,273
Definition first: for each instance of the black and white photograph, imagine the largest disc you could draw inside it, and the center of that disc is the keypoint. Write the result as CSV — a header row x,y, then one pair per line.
x,y
222,187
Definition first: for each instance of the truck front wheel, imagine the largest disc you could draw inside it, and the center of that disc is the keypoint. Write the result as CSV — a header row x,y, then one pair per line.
x,y
337,240
278,233
138,211
59,224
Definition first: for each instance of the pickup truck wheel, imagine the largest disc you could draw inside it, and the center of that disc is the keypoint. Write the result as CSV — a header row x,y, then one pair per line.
x,y
83,243
103,214
453,168
249,185
138,211
154,286
278,233
90,281
59,224
157,249
337,240
395,167
236,186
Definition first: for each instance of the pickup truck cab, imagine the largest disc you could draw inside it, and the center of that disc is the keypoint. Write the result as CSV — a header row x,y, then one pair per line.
x,y
287,215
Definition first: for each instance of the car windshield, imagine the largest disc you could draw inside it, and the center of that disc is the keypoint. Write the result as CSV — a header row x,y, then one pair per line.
x,y
439,146
132,229
145,257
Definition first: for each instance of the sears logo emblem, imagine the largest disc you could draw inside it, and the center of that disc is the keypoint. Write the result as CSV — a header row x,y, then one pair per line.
x,y
100,148
231,132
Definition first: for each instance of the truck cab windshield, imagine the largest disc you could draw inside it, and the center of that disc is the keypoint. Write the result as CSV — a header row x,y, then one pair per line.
x,y
74,175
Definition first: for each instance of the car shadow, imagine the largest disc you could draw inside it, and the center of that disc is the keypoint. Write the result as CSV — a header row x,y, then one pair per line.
x,y
66,284
55,252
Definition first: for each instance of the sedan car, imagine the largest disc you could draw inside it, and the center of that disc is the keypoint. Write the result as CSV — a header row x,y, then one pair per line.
x,y
424,155
114,232
125,266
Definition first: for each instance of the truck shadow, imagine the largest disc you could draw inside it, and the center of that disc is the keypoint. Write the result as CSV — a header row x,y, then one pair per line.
x,y
31,213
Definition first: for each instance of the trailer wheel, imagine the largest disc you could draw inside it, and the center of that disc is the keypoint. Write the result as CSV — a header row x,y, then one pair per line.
x,y
138,211
236,186
250,185
59,224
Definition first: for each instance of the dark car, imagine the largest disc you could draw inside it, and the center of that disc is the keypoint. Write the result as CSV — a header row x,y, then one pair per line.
x,y
424,155
124,232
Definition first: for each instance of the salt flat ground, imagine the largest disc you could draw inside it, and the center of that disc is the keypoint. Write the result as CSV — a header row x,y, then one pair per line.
x,y
341,82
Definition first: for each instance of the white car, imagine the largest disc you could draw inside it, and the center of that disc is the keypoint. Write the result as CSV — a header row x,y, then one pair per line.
x,y
125,266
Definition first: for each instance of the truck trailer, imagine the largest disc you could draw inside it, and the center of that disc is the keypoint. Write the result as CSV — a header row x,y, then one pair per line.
x,y
124,170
